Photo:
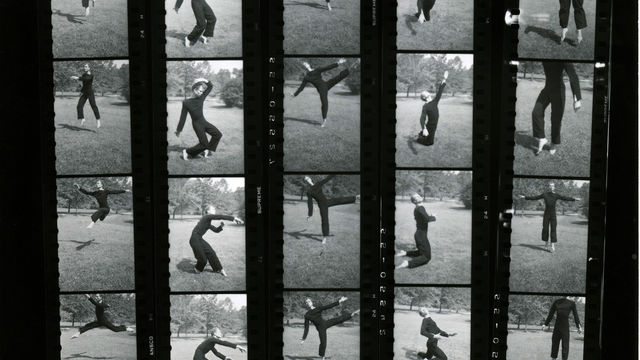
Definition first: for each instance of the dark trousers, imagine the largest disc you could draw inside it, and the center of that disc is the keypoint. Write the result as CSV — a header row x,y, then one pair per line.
x,y
104,322
199,355
549,225
560,335
322,331
578,13
92,101
557,99
425,6
204,253
324,210
323,90
432,126
202,128
205,20
433,350
422,255
85,3
100,214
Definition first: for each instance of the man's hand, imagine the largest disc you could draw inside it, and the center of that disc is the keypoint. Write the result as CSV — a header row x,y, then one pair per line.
x,y
579,329
292,94
577,105
127,190
77,186
544,327
425,132
238,221
521,196
577,199
241,349
342,61
74,77
342,299
446,75
87,296
421,18
437,336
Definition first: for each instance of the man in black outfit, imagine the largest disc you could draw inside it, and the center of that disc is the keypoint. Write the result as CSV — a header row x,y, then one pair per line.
x,y
101,197
201,249
210,345
578,14
562,307
424,10
549,219
314,315
422,254
205,22
85,5
314,192
314,77
86,93
554,93
430,110
430,329
101,318
194,107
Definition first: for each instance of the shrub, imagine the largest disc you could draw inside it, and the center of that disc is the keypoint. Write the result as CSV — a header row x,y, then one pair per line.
x,y
466,195
353,80
231,93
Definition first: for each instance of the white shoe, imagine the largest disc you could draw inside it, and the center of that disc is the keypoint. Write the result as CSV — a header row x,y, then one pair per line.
x,y
553,148
86,12
324,240
357,199
82,122
564,34
355,312
185,156
130,329
402,265
579,36
196,270
541,144
98,124
206,153
75,335
329,6
187,42
401,253
90,225
223,273
324,122
204,39
553,247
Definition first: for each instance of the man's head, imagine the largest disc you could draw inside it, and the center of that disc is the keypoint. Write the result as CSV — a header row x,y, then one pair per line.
x,y
425,96
307,65
424,312
211,210
309,303
86,67
552,186
217,333
198,88
308,180
416,198
99,184
98,298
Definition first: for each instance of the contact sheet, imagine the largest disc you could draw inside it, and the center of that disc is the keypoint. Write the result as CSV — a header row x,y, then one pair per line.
x,y
330,179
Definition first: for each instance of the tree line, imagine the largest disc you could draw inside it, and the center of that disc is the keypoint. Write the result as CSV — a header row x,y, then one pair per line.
x,y
295,71
72,199
294,304
108,77
584,70
340,185
444,298
78,310
532,310
533,187
418,72
227,84
203,313
436,184
193,196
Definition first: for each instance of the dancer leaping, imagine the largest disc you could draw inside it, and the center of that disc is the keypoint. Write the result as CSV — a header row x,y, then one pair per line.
x,y
101,318
101,197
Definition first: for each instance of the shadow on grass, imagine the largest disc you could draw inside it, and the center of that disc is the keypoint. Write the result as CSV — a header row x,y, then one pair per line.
x,y
345,93
296,357
459,208
411,142
580,222
410,353
175,34
305,121
128,221
187,265
409,21
82,356
83,244
548,34
119,103
527,141
70,17
533,247
74,128
302,234
308,4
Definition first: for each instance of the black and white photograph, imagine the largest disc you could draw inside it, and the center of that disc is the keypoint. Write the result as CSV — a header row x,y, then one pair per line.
x,y
92,117
203,28
549,235
552,29
435,25
98,326
434,110
205,121
209,326
95,234
553,120
321,27
433,227
207,234
89,28
321,325
545,327
321,231
322,114
432,323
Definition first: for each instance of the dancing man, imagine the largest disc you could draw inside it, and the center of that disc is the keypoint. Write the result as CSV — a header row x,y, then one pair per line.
x,y
424,10
554,93
314,192
201,249
85,5
431,330
86,93
422,254
194,107
101,318
430,110
210,345
549,219
205,22
101,197
578,14
314,315
562,308
314,77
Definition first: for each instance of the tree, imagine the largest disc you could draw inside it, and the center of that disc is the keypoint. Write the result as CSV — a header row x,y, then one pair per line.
x,y
232,93
409,72
353,80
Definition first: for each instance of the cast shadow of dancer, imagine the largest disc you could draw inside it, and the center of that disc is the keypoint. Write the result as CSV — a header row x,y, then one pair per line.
x,y
411,142
410,353
175,34
83,244
295,357
302,234
409,21
533,247
308,4
186,265
74,128
548,34
70,17
304,121
527,141
82,356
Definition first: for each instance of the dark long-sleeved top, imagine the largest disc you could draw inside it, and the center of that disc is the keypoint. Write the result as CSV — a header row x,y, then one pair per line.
x,y
422,218
430,109
100,306
554,79
194,106
87,82
550,199
430,329
315,316
314,77
210,345
563,307
315,192
101,195
205,223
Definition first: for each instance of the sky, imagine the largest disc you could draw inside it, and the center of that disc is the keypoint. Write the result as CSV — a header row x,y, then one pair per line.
x,y
217,65
238,300
233,182
467,59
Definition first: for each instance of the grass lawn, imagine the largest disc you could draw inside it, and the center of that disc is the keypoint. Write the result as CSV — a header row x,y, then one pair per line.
x,y
309,147
101,34
408,341
229,157
83,264
454,135
450,239
183,347
343,343
88,150
536,345
308,263
227,39
229,245
539,34
100,343
309,28
572,157
450,27
533,269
